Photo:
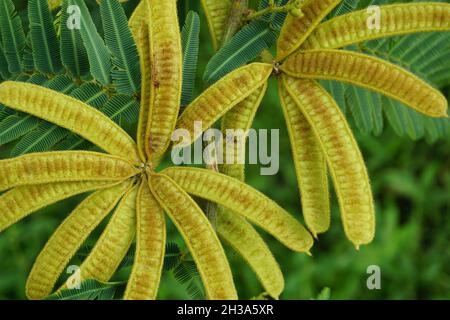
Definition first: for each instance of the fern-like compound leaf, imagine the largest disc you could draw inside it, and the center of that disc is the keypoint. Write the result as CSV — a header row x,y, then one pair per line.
x,y
125,73
43,38
190,43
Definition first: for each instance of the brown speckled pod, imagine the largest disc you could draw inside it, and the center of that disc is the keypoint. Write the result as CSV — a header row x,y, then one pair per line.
x,y
342,153
68,238
370,73
396,19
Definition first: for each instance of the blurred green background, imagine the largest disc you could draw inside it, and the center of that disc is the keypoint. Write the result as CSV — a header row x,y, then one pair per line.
x,y
411,184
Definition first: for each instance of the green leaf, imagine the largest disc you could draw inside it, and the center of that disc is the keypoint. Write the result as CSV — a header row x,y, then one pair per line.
x,y
28,60
190,42
98,54
43,37
122,107
276,19
4,70
73,53
366,109
325,294
89,290
245,46
125,73
13,36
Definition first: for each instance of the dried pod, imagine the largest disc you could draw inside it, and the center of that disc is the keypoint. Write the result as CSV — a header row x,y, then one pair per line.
x,y
310,166
216,12
150,247
71,114
113,244
19,202
396,19
214,102
241,235
166,76
199,236
63,166
240,198
342,153
240,118
370,73
68,238
297,28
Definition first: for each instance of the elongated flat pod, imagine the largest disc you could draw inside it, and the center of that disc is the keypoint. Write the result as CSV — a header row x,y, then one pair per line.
x,y
199,236
240,118
296,29
241,235
19,202
221,97
343,156
310,166
246,201
396,19
216,12
166,75
71,114
146,87
370,73
68,238
65,166
113,244
150,247
138,17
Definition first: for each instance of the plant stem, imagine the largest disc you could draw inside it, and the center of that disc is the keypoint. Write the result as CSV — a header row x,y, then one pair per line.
x,y
237,12
272,8
235,19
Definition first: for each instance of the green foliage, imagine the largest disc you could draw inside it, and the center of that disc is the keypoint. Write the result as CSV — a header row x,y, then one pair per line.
x,y
43,37
245,46
98,54
12,36
73,53
89,290
125,73
190,42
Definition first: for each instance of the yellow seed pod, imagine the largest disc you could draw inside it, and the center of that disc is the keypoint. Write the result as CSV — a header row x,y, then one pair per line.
x,y
297,28
53,4
71,114
240,118
113,244
144,280
199,236
226,93
216,12
246,201
396,19
370,73
138,17
146,87
19,202
343,156
310,166
240,234
166,75
65,166
68,238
